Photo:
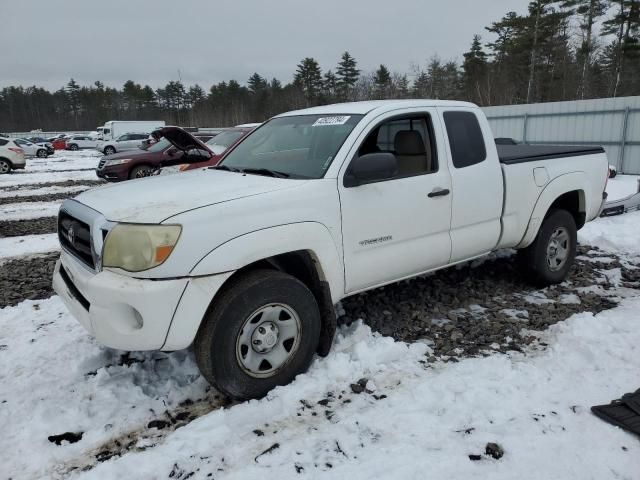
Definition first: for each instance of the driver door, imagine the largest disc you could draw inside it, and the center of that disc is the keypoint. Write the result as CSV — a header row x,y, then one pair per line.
x,y
399,227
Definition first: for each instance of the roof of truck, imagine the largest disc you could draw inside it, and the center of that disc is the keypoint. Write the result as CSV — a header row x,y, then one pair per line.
x,y
362,108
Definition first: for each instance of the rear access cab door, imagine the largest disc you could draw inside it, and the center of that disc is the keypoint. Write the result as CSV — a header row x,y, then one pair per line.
x,y
398,227
478,186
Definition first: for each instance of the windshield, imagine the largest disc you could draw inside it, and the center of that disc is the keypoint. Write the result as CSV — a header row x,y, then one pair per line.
x,y
224,140
159,146
300,146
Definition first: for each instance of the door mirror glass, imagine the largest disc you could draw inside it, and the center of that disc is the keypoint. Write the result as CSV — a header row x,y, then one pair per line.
x,y
371,167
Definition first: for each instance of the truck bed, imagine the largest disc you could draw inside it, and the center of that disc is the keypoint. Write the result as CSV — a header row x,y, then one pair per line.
x,y
510,154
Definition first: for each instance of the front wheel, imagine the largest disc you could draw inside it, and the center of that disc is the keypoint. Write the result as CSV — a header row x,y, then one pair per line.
x,y
261,332
42,153
109,151
140,171
73,147
551,255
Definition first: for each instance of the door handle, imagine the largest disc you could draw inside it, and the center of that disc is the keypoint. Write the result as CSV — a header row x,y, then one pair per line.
x,y
439,192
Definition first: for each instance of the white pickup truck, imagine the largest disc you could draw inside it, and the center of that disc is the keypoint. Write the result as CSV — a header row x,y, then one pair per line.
x,y
245,260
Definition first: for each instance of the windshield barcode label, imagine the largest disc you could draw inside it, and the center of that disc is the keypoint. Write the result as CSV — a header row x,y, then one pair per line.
x,y
341,120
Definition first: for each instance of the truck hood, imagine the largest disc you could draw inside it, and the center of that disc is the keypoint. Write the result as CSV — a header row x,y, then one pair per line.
x,y
155,199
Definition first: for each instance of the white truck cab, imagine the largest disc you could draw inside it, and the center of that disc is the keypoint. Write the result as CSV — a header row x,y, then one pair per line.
x,y
245,260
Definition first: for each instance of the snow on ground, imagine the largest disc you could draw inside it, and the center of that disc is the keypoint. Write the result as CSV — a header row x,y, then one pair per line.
x,y
622,186
620,234
20,178
65,160
29,210
27,245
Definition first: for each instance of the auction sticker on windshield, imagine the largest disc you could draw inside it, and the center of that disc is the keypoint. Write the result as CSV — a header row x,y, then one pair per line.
x,y
340,120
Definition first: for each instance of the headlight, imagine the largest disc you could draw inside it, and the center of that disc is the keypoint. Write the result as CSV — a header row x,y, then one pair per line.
x,y
139,247
120,161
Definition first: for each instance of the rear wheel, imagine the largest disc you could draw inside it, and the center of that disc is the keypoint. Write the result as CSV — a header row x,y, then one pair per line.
x,y
261,332
41,153
73,147
140,171
550,257
109,150
5,166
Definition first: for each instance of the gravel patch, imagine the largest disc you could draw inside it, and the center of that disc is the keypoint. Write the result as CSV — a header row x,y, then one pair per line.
x,y
26,279
465,311
52,197
36,226
65,183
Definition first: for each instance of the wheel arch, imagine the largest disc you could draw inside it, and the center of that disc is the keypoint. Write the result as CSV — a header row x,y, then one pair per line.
x,y
317,265
566,192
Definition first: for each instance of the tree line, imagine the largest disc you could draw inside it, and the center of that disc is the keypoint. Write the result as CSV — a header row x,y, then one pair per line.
x,y
557,50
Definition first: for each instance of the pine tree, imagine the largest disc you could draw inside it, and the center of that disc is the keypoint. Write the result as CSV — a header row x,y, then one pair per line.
x,y
347,75
589,12
308,78
474,76
382,83
329,86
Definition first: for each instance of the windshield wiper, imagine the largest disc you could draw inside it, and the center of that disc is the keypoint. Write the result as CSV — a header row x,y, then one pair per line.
x,y
265,171
225,167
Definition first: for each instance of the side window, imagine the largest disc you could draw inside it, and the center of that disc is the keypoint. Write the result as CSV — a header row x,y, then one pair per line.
x,y
465,139
123,138
3,141
410,139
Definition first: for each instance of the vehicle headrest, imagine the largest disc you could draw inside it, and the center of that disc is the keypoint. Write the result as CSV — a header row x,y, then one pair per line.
x,y
408,142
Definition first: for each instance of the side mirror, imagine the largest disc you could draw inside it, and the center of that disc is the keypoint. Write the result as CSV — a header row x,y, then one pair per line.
x,y
371,167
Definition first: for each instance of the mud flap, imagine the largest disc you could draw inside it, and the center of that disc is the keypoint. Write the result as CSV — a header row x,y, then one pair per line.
x,y
329,322
623,413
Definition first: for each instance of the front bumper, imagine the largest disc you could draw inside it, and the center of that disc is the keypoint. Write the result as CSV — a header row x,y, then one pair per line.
x,y
134,314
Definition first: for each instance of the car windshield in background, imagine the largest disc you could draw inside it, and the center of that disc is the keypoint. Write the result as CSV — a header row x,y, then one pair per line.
x,y
159,146
222,141
299,146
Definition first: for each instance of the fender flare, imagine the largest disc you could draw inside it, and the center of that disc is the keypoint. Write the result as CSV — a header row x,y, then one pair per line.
x,y
568,182
251,247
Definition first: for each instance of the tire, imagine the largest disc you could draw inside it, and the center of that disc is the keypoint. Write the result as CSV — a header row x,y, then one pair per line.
x,y
5,166
140,171
73,147
41,153
109,150
543,260
224,346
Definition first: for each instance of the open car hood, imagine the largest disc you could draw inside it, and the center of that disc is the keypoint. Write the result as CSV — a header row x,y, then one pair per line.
x,y
180,139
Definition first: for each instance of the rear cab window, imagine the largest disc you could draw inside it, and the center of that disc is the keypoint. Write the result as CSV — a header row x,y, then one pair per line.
x,y
465,138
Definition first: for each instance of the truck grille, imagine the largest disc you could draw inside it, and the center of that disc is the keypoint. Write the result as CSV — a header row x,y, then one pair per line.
x,y
75,237
101,164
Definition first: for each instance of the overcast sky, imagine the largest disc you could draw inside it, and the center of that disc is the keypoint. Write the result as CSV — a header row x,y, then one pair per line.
x,y
46,42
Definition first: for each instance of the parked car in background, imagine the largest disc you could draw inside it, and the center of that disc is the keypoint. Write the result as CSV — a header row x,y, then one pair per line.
x,y
11,156
43,143
136,163
33,149
79,142
220,144
110,131
128,141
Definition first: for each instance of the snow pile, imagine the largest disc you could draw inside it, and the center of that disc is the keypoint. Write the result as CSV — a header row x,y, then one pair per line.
x,y
28,245
620,234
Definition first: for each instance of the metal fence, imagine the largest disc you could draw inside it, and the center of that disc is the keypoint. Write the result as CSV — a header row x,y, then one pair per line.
x,y
613,123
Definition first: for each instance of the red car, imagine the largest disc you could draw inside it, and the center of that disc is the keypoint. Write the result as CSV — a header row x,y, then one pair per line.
x,y
220,144
142,163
